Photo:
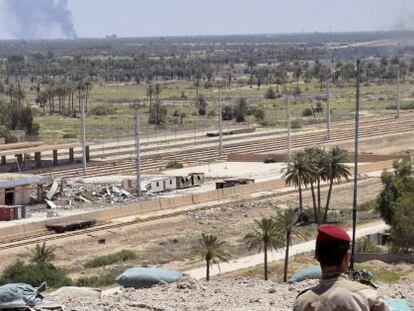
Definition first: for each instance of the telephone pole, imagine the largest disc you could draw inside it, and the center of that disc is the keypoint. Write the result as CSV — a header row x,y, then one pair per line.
x,y
83,130
356,161
137,151
289,134
398,92
220,124
328,99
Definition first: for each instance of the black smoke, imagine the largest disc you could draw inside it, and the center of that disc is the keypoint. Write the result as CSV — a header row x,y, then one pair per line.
x,y
37,19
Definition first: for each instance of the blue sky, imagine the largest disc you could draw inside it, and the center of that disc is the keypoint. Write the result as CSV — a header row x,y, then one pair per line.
x,y
130,18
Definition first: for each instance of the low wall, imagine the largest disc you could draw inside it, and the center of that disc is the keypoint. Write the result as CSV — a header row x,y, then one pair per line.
x,y
253,157
387,258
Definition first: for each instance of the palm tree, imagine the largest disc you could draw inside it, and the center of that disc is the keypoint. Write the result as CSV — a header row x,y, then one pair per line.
x,y
212,251
336,169
286,224
317,158
299,172
264,236
42,254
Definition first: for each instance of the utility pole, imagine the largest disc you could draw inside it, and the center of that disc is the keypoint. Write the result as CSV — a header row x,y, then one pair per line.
x,y
288,127
220,124
137,151
83,130
398,92
328,99
356,161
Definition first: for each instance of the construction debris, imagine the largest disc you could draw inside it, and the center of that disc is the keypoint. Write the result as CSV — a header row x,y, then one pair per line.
x,y
75,192
51,193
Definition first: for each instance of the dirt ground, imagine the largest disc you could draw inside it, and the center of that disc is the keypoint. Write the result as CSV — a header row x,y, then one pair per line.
x,y
172,242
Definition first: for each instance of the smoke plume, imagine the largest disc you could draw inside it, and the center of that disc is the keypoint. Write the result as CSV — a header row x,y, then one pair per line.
x,y
39,19
405,19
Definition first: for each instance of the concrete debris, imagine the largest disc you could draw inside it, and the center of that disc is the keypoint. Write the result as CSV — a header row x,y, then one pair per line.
x,y
81,198
50,204
51,193
74,193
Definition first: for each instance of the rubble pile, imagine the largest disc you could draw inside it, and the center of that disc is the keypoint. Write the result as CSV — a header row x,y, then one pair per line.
x,y
230,209
218,295
74,192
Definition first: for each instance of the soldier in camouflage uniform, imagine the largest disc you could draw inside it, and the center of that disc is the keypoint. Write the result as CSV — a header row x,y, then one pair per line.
x,y
335,291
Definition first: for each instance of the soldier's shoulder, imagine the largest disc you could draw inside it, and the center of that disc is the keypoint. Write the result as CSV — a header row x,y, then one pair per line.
x,y
352,285
304,299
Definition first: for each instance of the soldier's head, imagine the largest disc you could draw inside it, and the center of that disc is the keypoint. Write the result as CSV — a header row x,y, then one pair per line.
x,y
332,248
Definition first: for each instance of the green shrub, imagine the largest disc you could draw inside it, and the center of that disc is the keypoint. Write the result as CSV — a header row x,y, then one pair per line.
x,y
69,135
270,93
295,124
102,110
366,246
174,165
121,256
104,279
259,114
403,106
212,113
35,274
307,112
371,205
4,132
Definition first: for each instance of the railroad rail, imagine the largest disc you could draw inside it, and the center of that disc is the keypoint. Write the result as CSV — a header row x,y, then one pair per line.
x,y
203,154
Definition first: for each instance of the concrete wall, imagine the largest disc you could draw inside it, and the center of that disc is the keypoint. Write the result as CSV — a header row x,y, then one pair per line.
x,y
237,157
2,140
252,157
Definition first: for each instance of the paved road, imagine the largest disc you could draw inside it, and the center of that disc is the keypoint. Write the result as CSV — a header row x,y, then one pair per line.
x,y
301,248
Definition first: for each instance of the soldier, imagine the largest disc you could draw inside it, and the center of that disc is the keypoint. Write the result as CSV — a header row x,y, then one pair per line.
x,y
335,291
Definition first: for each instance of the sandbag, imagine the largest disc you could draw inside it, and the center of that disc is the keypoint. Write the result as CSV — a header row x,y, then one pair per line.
x,y
15,293
66,292
308,273
146,277
20,296
398,305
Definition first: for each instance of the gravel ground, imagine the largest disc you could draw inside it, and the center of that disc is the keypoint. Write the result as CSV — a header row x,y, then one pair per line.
x,y
219,295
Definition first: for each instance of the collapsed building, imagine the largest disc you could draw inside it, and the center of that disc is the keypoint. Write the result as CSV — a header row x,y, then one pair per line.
x,y
16,191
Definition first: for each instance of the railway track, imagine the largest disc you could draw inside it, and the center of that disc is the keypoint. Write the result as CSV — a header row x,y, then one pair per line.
x,y
127,149
203,154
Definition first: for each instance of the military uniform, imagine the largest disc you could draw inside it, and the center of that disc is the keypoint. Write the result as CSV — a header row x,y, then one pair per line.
x,y
340,294
336,292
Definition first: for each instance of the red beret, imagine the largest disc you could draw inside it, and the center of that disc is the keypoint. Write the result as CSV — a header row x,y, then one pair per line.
x,y
332,233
